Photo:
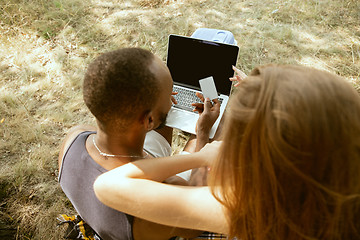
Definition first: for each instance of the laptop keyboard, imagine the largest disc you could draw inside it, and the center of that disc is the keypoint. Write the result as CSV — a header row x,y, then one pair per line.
x,y
186,97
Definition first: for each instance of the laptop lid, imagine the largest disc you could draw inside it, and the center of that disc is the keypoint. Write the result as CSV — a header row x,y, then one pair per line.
x,y
191,59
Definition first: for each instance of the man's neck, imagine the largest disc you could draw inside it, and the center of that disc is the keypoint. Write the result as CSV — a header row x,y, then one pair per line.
x,y
128,143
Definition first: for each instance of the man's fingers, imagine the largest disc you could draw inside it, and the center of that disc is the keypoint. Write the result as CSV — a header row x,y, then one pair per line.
x,y
216,104
199,95
199,110
199,107
207,105
173,100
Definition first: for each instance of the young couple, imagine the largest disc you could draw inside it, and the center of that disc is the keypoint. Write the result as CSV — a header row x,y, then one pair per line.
x,y
286,167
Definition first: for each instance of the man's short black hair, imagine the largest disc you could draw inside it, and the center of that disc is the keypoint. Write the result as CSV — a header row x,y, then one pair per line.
x,y
119,85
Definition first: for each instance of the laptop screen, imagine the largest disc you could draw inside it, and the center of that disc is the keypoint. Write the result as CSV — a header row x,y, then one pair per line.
x,y
190,60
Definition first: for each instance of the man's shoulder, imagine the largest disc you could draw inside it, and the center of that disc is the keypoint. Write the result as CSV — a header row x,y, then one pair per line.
x,y
71,135
74,132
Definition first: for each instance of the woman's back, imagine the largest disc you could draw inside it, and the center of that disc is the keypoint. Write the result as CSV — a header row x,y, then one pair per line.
x,y
295,158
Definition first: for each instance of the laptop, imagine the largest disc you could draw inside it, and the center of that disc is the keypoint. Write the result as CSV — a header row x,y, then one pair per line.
x,y
190,60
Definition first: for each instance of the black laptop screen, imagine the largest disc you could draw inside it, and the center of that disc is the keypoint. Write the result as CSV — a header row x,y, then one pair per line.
x,y
190,60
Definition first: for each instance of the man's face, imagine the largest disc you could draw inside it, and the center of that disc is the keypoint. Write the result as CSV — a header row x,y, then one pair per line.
x,y
164,102
162,121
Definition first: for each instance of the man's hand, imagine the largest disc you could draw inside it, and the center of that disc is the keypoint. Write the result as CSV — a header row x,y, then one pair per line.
x,y
176,180
208,113
173,100
199,177
210,152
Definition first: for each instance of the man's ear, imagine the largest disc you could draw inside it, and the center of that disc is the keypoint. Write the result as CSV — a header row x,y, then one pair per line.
x,y
148,120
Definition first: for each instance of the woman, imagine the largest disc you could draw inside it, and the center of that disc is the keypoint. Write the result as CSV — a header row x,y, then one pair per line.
x,y
287,167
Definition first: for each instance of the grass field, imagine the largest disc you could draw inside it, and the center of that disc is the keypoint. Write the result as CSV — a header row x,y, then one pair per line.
x,y
47,44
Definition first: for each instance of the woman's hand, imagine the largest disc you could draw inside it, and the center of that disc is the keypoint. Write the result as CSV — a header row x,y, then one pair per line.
x,y
238,76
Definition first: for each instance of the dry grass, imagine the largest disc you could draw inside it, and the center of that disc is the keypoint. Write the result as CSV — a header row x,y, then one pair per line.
x,y
46,46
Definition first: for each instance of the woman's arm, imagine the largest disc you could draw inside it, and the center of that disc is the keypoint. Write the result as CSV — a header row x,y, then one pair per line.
x,y
130,189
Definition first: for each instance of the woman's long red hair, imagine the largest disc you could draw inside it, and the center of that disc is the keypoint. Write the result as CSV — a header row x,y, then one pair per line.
x,y
289,164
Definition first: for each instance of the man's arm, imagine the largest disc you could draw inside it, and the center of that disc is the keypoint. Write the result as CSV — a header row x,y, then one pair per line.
x,y
208,114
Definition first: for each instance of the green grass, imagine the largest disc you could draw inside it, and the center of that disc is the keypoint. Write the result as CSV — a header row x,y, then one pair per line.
x,y
46,46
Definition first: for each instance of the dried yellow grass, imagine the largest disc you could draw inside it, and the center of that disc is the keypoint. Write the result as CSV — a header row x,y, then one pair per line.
x,y
46,46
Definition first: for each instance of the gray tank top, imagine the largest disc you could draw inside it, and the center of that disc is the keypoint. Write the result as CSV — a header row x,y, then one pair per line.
x,y
77,175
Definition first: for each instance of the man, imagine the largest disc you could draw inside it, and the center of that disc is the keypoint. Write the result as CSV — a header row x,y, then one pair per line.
x,y
129,92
